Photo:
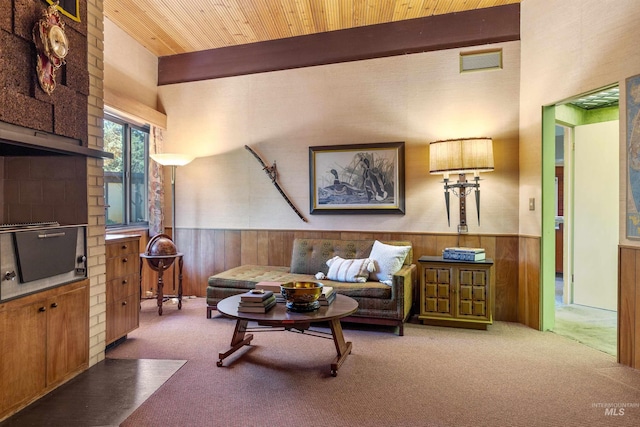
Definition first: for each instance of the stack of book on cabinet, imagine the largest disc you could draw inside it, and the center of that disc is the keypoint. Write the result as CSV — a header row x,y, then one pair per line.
x,y
256,301
464,254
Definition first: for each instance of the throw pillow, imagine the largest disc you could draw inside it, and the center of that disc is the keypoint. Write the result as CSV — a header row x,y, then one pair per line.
x,y
349,270
388,260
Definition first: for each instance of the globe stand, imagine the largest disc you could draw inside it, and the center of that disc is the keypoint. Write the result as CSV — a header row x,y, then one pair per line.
x,y
160,255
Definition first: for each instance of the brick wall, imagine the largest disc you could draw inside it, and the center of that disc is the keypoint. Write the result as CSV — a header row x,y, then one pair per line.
x,y
95,184
45,188
22,101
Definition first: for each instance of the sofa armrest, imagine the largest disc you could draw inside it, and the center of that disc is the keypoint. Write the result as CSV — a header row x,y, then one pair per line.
x,y
404,287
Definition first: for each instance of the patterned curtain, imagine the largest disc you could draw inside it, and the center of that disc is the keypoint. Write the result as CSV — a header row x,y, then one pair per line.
x,y
156,184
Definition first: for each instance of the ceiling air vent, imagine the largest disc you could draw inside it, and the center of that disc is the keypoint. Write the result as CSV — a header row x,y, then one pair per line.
x,y
481,60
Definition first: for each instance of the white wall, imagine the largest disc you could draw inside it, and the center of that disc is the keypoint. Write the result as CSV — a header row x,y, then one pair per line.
x,y
415,98
570,47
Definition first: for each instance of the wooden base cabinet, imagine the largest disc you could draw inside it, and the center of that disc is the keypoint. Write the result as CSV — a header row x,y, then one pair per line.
x,y
44,341
456,293
123,285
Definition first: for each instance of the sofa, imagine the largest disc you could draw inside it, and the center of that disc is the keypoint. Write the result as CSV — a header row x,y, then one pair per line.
x,y
379,303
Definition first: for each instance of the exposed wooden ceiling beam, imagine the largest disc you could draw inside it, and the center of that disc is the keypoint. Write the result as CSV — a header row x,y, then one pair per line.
x,y
470,28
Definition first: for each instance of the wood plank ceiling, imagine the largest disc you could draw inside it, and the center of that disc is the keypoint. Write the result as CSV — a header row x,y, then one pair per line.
x,y
181,26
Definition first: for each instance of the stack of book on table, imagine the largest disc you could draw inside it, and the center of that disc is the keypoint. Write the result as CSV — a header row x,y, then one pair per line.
x,y
256,301
327,297
464,254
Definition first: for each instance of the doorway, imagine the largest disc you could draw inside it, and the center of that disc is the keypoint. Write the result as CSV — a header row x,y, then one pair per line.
x,y
585,219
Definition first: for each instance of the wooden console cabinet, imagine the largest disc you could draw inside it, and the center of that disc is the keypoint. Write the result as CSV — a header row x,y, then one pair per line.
x,y
123,285
44,341
456,293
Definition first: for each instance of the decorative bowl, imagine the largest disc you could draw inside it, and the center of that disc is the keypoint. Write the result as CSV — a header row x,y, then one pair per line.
x,y
301,296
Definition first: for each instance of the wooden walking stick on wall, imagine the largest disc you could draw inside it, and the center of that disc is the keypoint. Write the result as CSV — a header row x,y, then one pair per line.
x,y
272,173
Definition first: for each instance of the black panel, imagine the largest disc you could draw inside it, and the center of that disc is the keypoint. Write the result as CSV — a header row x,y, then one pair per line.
x,y
45,253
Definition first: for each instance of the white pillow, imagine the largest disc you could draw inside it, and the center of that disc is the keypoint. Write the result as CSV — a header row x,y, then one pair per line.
x,y
388,260
349,270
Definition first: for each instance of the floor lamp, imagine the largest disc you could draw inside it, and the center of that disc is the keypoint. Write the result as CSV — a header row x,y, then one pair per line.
x,y
173,160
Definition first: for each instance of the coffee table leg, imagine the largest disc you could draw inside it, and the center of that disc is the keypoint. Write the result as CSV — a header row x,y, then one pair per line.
x,y
342,348
238,341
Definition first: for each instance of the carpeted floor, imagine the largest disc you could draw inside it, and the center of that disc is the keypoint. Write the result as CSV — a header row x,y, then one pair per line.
x,y
509,375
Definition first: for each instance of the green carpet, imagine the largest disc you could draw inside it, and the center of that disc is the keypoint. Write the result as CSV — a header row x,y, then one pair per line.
x,y
593,327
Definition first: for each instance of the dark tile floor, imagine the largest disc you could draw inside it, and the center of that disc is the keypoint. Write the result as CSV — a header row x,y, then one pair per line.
x,y
104,395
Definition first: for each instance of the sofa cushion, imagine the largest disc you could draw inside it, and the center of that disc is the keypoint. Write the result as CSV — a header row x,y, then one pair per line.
x,y
388,260
310,256
239,279
349,270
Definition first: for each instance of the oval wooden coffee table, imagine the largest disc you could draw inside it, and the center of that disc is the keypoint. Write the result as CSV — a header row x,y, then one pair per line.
x,y
279,316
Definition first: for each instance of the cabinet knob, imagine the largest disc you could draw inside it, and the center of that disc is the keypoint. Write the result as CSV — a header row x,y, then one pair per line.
x,y
125,259
125,246
124,281
54,305
124,303
41,309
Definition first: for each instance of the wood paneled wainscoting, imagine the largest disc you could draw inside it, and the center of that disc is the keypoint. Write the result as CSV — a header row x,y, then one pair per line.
x,y
628,307
211,251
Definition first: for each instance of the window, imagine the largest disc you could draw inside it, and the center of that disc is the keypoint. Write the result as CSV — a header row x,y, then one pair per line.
x,y
125,176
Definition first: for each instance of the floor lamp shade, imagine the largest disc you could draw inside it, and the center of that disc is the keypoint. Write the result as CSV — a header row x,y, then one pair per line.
x,y
169,159
173,160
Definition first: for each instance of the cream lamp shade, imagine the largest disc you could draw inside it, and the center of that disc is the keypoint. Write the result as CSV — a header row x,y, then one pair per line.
x,y
456,156
171,159
461,156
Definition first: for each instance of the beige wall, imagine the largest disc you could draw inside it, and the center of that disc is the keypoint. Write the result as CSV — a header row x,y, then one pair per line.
x,y
413,98
130,70
569,48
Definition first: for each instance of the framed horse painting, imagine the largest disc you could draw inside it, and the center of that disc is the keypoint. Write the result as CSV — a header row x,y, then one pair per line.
x,y
357,179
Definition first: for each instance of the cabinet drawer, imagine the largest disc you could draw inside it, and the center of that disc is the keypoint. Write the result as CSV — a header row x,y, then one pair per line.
x,y
123,266
117,249
122,317
122,287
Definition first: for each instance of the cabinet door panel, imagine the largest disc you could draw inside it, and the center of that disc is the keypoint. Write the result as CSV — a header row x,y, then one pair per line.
x,y
479,278
430,275
479,308
465,292
444,307
22,339
431,290
430,305
479,293
466,308
444,276
67,334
